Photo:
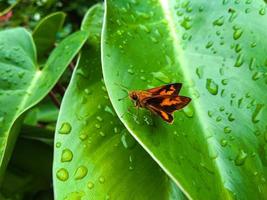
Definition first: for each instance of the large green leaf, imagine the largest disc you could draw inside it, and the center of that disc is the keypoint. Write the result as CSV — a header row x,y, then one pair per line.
x,y
23,83
44,34
95,157
215,149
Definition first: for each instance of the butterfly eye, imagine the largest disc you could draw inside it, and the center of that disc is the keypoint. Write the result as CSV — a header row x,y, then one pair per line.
x,y
134,97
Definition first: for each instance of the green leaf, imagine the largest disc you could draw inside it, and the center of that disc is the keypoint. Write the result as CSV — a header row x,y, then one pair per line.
x,y
44,34
29,171
22,83
95,157
216,148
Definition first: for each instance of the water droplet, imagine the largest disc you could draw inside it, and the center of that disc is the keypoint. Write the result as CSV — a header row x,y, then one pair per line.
x,y
83,136
127,140
239,60
237,33
130,71
62,174
219,21
97,126
262,11
256,76
241,158
252,63
87,91
101,179
218,119
186,23
58,144
225,81
161,77
223,142
102,134
253,44
231,117
212,87
80,173
90,185
209,44
65,128
66,155
144,28
238,48
199,72
227,129
256,113
188,111
222,108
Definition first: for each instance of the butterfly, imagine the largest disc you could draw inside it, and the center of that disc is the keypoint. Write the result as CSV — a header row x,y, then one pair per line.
x,y
162,100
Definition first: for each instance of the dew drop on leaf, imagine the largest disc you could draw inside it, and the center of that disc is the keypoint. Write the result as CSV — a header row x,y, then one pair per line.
x,y
83,136
127,140
58,144
80,173
256,76
219,21
241,158
209,44
161,77
62,174
130,71
237,33
66,155
231,117
186,23
188,111
223,142
239,60
212,87
65,128
262,11
90,185
227,130
256,113
199,72
101,179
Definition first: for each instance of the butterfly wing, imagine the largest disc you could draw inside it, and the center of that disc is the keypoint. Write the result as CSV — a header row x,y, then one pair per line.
x,y
170,89
168,104
164,115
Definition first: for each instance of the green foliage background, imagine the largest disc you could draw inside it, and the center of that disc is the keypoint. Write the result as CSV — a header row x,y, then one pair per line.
x,y
64,133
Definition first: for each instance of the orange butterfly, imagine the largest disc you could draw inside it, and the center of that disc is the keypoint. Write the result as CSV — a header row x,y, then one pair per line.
x,y
162,101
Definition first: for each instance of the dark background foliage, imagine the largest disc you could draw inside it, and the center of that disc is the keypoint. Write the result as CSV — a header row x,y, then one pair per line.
x,y
29,173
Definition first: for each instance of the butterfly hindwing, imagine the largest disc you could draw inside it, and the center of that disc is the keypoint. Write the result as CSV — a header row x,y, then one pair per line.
x,y
164,115
170,89
168,104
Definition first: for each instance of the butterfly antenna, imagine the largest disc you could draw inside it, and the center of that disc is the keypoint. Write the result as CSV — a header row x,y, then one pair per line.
x,y
122,98
125,89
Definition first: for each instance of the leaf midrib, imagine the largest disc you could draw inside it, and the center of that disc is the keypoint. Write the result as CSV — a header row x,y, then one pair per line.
x,y
180,59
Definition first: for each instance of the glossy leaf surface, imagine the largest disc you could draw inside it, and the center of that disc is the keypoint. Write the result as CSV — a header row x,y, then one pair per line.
x,y
95,157
44,34
216,148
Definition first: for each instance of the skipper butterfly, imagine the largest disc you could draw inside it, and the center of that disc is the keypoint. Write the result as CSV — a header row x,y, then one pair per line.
x,y
162,101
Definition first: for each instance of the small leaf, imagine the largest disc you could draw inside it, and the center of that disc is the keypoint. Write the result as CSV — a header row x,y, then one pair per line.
x,y
44,34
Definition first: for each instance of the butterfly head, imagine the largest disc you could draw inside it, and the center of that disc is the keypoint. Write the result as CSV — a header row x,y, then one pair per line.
x,y
134,96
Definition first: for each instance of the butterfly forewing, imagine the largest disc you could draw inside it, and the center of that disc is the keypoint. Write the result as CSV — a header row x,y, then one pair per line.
x,y
169,89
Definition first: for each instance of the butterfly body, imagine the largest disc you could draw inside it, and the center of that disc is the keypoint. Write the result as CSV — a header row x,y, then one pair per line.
x,y
162,101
